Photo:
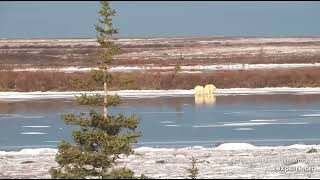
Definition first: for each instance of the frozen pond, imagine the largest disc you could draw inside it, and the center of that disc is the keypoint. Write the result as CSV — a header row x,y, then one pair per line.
x,y
274,119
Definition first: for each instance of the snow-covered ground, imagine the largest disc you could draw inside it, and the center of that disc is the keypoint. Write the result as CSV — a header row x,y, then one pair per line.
x,y
158,93
230,160
183,68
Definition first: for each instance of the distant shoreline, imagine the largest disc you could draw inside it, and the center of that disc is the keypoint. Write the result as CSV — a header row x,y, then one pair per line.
x,y
162,63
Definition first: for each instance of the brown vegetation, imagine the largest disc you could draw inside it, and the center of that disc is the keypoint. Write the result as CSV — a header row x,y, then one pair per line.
x,y
59,81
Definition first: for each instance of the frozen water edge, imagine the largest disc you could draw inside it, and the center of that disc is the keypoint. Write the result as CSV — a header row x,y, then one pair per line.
x,y
158,93
187,69
230,160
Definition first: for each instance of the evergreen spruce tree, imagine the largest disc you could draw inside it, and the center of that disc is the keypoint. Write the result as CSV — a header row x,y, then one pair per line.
x,y
193,171
99,138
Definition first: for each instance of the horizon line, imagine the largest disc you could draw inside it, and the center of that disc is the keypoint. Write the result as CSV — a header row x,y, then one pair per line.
x,y
168,37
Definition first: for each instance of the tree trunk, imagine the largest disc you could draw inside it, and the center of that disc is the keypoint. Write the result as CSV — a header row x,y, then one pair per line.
x,y
105,109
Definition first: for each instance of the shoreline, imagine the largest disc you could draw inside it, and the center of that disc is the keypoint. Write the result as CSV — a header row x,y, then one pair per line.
x,y
221,147
160,93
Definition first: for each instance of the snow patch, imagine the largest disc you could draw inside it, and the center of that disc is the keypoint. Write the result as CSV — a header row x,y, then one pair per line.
x,y
245,124
235,146
185,69
36,126
37,151
149,149
243,129
311,115
172,125
263,120
166,122
32,133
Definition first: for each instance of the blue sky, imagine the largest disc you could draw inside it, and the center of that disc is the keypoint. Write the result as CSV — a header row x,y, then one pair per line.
x,y
161,19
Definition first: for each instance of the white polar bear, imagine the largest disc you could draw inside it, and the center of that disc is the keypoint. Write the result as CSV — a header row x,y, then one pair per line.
x,y
209,89
198,90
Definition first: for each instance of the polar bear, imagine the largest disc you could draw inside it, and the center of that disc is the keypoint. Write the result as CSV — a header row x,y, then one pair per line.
x,y
209,89
198,90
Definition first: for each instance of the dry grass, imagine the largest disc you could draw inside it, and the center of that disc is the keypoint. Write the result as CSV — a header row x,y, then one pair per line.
x,y
228,79
156,52
44,81
59,81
